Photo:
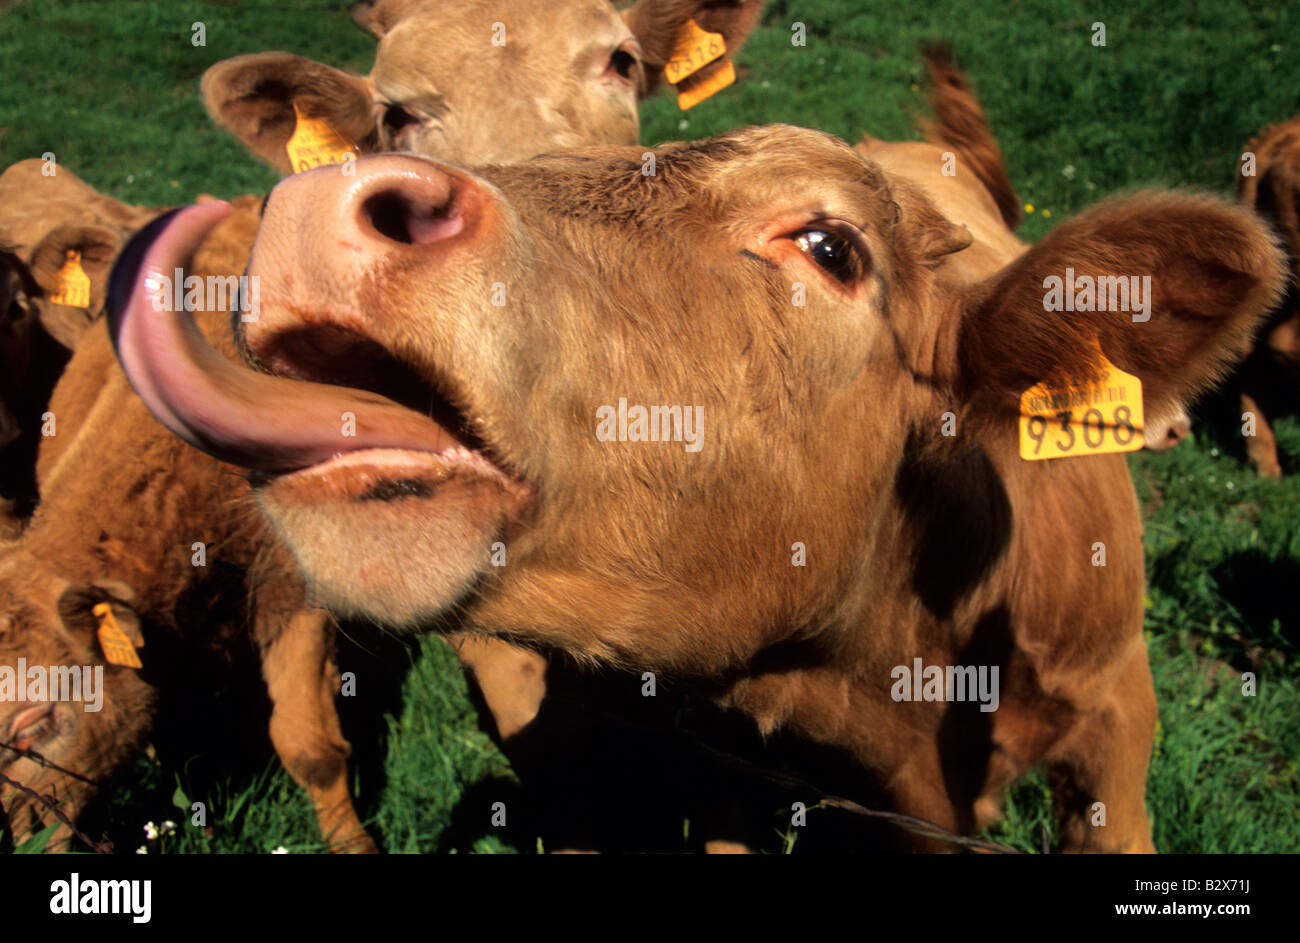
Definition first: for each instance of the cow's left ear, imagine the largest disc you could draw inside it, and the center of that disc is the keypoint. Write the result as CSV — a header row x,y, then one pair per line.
x,y
260,97
69,309
659,25
1200,272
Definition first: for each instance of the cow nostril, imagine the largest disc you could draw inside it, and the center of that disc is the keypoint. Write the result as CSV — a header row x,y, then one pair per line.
x,y
387,214
400,218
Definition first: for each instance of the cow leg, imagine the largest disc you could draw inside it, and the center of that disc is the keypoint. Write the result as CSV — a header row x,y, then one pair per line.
x,y
1261,448
512,679
1104,760
302,679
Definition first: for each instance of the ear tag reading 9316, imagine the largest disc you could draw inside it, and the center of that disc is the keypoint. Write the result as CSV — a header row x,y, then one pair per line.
x,y
71,283
117,646
1098,419
695,49
315,144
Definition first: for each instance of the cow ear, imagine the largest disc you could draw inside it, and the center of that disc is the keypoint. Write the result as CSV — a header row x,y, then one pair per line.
x,y
1208,271
659,24
255,96
380,16
77,606
93,249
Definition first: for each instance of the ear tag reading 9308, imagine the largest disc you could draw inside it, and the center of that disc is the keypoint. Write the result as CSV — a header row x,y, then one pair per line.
x,y
1097,419
314,144
71,283
696,48
117,646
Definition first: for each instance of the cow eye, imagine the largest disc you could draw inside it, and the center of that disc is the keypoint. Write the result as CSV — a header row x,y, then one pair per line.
x,y
622,62
833,252
396,118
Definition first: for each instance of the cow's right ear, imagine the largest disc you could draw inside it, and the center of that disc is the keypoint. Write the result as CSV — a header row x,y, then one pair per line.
x,y
380,16
1207,271
659,25
93,249
258,99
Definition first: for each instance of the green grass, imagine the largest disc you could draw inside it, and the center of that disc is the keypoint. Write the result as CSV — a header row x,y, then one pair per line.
x,y
111,89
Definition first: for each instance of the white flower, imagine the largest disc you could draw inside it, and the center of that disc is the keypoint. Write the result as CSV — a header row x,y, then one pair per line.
x,y
142,850
683,125
1068,171
150,831
168,827
281,851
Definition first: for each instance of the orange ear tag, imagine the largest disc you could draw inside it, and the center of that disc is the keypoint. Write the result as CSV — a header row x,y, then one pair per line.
x,y
117,646
1098,419
71,283
695,49
695,91
314,144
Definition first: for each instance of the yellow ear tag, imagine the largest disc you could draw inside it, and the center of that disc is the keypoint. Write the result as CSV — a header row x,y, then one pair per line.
x,y
1093,420
71,283
695,49
694,92
117,646
315,144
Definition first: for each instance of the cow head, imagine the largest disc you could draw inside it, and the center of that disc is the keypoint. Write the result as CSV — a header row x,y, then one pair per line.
x,y
453,360
474,82
51,625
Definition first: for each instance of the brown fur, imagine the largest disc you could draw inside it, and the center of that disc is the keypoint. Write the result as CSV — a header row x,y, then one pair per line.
x,y
959,121
821,426
43,218
1268,383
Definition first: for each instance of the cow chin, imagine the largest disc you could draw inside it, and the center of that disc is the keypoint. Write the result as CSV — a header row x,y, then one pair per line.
x,y
398,538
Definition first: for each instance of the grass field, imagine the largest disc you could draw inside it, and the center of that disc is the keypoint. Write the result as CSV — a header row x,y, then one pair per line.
x,y
111,89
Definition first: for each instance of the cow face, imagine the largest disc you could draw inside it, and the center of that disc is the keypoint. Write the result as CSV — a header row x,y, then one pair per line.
x,y
61,700
474,82
499,341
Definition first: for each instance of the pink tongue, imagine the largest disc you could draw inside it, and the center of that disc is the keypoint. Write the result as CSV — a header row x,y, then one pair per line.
x,y
229,411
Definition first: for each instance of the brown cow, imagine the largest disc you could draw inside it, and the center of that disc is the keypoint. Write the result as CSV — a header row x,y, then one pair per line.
x,y
98,419
46,216
814,437
1269,381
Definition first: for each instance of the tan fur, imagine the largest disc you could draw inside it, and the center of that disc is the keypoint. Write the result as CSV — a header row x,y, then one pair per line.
x,y
441,85
821,427
538,102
